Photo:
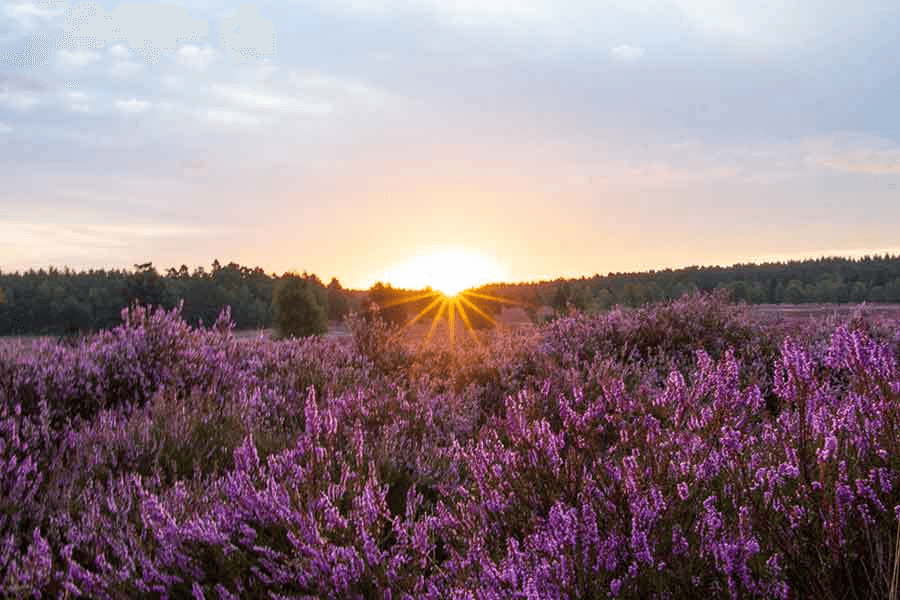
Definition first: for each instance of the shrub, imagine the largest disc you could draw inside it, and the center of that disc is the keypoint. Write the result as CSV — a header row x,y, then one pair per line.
x,y
300,310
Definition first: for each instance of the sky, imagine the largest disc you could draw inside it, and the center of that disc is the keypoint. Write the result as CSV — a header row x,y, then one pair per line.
x,y
551,138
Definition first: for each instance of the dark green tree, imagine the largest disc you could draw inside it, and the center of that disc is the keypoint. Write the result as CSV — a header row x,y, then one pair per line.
x,y
390,303
338,304
299,310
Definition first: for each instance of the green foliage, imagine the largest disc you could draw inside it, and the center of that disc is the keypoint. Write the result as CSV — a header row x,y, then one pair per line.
x,y
302,309
58,302
824,280
338,301
390,303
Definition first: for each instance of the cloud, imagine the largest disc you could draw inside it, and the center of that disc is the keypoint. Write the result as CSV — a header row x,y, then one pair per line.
x,y
77,58
786,24
337,87
132,105
4,128
247,35
194,57
744,26
44,242
123,67
42,10
231,117
22,92
77,101
149,28
120,51
626,52
250,99
854,153
28,15
19,101
35,54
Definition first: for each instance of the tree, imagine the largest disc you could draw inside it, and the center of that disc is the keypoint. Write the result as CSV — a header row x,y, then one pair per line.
x,y
390,303
338,306
145,286
299,310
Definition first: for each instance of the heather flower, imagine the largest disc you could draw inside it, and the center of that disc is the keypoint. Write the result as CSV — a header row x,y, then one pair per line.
x,y
634,452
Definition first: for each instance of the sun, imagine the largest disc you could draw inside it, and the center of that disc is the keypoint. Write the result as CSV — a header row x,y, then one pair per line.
x,y
447,280
447,271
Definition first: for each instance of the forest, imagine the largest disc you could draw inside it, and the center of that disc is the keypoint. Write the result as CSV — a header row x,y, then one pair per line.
x,y
59,302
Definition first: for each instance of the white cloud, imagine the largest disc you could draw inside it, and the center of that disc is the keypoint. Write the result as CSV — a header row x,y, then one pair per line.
x,y
150,28
77,101
854,153
77,58
52,242
18,101
337,86
120,51
172,82
247,36
29,15
783,24
279,102
124,69
132,105
231,117
194,57
748,26
626,52
4,128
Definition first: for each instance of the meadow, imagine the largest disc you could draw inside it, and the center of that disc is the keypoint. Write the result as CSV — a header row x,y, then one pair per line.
x,y
685,449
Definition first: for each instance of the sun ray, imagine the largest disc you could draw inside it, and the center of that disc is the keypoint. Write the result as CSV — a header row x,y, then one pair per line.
x,y
413,299
492,298
468,324
422,313
465,300
523,304
437,318
466,304
451,321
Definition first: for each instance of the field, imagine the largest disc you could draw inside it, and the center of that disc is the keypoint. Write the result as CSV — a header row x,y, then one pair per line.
x,y
688,449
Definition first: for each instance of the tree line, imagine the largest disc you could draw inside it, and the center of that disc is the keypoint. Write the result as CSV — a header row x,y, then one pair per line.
x,y
56,302
874,279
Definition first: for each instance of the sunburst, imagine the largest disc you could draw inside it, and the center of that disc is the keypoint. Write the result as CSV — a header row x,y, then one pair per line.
x,y
450,278
446,309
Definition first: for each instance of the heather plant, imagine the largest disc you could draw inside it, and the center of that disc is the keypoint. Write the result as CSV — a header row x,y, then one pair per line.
x,y
667,333
379,340
631,454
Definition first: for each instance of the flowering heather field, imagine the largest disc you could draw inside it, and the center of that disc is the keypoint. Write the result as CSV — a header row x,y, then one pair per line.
x,y
677,451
